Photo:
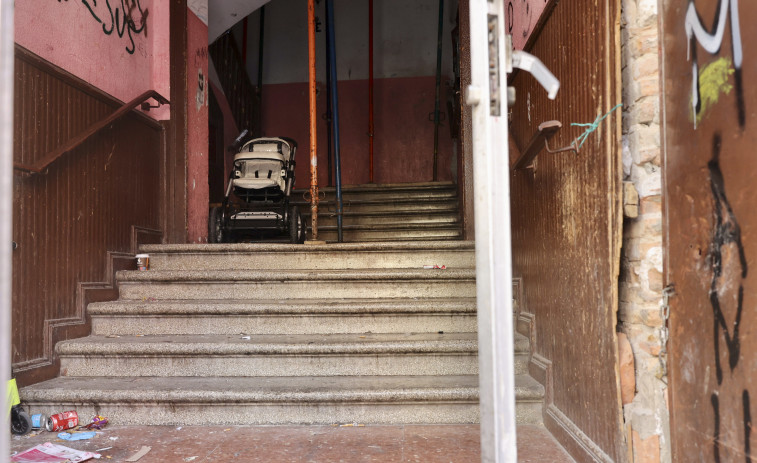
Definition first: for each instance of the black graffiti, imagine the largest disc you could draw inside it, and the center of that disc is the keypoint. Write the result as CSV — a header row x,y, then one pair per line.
x,y
747,425
121,19
201,56
726,233
526,29
716,435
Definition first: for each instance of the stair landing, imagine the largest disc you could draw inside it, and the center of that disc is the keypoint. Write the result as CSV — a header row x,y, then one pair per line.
x,y
349,442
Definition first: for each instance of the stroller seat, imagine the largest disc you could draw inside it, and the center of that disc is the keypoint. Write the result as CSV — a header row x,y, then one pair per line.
x,y
262,163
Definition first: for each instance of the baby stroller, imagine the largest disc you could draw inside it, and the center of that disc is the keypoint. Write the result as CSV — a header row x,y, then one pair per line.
x,y
262,180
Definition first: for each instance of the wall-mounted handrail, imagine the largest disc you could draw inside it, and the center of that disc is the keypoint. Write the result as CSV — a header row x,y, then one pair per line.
x,y
537,143
76,141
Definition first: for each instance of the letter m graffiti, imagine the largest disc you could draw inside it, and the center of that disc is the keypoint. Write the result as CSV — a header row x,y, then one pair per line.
x,y
711,42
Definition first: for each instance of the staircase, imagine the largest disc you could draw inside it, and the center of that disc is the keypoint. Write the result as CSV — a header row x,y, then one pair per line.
x,y
280,333
384,213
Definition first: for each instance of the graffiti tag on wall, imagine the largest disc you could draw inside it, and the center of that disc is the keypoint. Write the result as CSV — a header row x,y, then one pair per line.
x,y
729,269
523,17
127,18
710,83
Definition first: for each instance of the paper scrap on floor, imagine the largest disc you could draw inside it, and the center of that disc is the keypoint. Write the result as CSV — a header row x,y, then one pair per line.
x,y
142,452
52,453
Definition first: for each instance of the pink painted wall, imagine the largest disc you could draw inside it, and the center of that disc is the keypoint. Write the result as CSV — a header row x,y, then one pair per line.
x,y
404,136
197,129
230,129
92,41
522,18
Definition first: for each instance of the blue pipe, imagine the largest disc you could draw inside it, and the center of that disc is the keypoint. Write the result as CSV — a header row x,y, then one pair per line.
x,y
335,115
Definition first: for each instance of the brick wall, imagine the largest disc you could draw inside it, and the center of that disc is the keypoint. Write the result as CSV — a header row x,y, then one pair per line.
x,y
643,374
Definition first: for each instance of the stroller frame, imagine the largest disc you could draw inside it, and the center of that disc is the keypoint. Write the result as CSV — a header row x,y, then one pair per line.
x,y
261,181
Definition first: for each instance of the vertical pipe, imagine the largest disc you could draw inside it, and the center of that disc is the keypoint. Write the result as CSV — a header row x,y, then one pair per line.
x,y
331,47
261,50
370,91
313,119
259,89
6,209
438,87
244,41
329,110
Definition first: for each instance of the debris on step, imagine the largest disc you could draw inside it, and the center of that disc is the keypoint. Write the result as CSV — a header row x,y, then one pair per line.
x,y
73,436
142,452
52,453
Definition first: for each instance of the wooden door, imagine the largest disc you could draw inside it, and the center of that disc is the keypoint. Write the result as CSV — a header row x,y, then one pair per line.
x,y
709,109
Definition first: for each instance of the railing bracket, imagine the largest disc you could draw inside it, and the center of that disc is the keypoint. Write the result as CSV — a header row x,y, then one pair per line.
x,y
545,131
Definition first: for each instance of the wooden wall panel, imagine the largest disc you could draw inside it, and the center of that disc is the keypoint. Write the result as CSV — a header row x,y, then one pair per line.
x,y
567,228
67,219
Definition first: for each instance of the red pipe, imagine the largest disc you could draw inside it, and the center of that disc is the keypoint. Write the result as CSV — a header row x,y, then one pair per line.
x,y
244,41
370,91
313,141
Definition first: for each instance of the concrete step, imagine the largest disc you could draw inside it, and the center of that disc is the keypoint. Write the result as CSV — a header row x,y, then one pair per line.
x,y
271,355
277,355
277,400
390,232
453,254
380,218
294,316
408,205
386,191
296,284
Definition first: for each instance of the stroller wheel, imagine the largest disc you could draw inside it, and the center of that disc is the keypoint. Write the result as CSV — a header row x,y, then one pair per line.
x,y
21,422
295,225
216,232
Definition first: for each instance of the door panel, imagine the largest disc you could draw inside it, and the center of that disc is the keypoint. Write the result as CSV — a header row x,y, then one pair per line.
x,y
711,226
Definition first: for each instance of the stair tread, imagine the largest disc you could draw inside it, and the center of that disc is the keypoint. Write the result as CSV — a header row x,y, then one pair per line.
x,y
307,344
280,275
399,226
221,390
278,344
417,200
388,186
298,248
431,214
279,306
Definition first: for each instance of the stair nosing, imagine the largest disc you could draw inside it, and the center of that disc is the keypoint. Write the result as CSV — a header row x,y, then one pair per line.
x,y
295,275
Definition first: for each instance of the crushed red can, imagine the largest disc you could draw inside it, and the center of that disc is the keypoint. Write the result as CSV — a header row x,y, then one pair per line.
x,y
62,421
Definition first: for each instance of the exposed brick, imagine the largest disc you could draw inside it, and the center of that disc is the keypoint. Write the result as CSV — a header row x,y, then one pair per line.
x,y
641,279
651,205
647,450
627,369
647,109
648,86
645,66
655,280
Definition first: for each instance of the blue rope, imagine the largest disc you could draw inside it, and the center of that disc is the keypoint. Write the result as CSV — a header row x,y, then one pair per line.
x,y
590,127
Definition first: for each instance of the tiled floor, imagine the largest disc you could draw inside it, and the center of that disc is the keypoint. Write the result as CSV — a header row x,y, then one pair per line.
x,y
294,444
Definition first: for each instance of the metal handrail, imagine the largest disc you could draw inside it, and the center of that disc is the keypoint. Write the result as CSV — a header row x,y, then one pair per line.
x,y
44,163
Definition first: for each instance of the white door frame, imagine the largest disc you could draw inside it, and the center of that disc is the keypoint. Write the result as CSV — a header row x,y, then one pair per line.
x,y
491,187
6,208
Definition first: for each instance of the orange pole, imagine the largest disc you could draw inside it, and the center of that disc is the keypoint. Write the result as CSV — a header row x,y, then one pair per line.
x,y
313,140
370,91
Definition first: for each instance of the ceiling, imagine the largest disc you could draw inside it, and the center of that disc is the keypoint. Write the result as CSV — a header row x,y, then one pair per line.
x,y
220,15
